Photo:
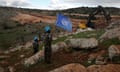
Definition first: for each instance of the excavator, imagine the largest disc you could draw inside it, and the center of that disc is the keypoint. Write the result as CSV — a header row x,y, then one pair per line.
x,y
98,10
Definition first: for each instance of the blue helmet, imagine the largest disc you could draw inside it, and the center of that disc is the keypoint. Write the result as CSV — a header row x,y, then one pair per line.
x,y
47,28
35,38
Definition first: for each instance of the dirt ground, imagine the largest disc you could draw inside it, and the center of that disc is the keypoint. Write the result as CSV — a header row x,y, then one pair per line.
x,y
58,59
62,58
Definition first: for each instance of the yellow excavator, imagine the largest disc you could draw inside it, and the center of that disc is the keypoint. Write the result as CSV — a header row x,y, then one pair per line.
x,y
82,25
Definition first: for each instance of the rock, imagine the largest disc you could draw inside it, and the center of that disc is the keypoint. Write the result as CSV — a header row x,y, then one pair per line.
x,y
6,52
74,67
83,30
34,59
55,38
22,56
89,61
114,50
104,68
1,69
100,60
90,29
59,45
112,33
55,48
91,58
82,43
19,48
114,24
11,69
28,45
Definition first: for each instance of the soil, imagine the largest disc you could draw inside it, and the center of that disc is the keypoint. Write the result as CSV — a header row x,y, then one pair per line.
x,y
58,59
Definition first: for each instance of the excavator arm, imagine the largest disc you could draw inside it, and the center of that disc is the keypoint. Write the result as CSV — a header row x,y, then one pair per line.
x,y
98,10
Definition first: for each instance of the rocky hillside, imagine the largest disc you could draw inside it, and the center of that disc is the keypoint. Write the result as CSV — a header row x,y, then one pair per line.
x,y
14,22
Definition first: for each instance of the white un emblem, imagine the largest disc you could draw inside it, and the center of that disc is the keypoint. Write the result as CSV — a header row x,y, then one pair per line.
x,y
65,22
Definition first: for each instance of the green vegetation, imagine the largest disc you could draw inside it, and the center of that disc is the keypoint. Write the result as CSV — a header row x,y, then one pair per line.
x,y
109,42
116,59
89,34
13,37
59,39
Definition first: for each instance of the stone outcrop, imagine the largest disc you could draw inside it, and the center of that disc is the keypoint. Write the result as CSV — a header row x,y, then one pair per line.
x,y
104,68
114,24
34,59
112,33
114,50
59,45
82,43
74,67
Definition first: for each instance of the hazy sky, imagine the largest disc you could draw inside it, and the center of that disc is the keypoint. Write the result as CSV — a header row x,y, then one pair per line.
x,y
58,4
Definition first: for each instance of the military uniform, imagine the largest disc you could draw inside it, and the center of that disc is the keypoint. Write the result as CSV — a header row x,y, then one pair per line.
x,y
35,46
47,46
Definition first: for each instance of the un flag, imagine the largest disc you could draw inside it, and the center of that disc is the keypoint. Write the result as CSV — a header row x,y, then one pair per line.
x,y
64,22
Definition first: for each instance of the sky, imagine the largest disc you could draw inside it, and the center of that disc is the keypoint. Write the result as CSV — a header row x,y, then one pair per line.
x,y
58,4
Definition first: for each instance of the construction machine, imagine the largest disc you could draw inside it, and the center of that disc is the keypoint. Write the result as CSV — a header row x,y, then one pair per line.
x,y
99,10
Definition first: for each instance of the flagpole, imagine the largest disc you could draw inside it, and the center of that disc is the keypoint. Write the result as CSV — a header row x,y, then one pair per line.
x,y
56,26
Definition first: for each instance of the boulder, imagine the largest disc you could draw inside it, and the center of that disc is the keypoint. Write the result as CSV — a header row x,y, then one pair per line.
x,y
112,33
74,67
114,24
104,68
114,50
100,60
58,46
34,59
82,43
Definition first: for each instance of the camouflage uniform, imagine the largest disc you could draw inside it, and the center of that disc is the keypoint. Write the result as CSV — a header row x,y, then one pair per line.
x,y
47,45
35,46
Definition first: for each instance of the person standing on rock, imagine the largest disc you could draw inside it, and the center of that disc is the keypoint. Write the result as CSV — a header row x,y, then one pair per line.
x,y
47,44
35,44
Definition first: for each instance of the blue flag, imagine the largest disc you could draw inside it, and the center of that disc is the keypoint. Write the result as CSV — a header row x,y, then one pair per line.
x,y
64,22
